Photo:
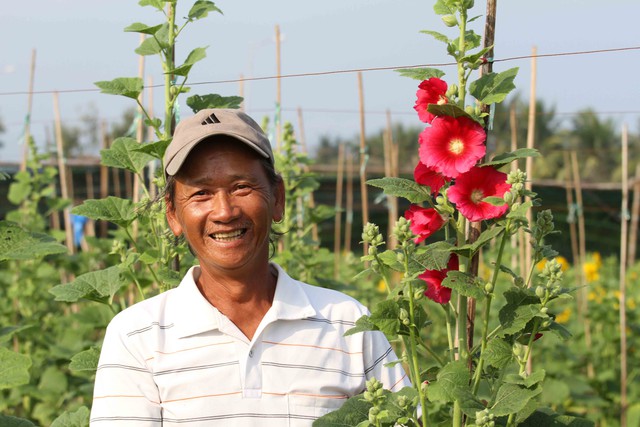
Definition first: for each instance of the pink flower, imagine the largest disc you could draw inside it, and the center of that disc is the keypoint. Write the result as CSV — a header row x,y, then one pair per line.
x,y
452,146
424,221
473,186
431,91
435,291
424,175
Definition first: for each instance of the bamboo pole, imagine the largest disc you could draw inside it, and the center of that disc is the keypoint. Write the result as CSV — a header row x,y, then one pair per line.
x,y
153,188
303,147
27,120
515,239
573,233
64,186
635,211
363,163
104,176
139,136
623,274
531,127
241,91
278,91
348,223
583,303
337,229
390,169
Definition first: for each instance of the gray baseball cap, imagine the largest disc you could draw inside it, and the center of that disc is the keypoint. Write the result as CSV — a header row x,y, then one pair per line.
x,y
211,122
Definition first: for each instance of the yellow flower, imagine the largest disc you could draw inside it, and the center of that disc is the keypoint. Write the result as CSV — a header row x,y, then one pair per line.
x,y
597,294
597,259
564,316
564,264
591,271
382,287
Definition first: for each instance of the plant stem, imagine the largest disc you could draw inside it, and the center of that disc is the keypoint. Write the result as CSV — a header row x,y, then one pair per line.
x,y
169,65
447,317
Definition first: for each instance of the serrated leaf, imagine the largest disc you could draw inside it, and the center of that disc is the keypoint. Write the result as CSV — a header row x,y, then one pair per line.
x,y
99,285
448,110
511,398
494,201
213,100
7,421
354,411
402,187
443,7
420,74
493,87
506,158
453,377
363,324
19,190
436,35
547,418
86,360
124,153
130,87
19,244
464,284
158,4
194,56
498,353
79,418
201,9
113,209
485,237
139,27
149,46
531,380
14,368
8,331
385,315
434,256
154,149
514,317
560,331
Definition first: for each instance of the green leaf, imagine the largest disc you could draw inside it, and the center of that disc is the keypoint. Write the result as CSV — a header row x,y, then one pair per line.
x,y
420,74
86,360
444,7
139,27
434,256
485,237
385,316
8,331
514,318
124,154
493,87
495,201
14,368
154,149
131,87
149,46
19,190
213,100
464,284
529,381
452,378
438,36
79,418
114,209
506,158
158,4
99,285
201,9
7,421
498,353
560,331
53,381
363,324
450,110
353,412
402,187
547,418
19,244
194,56
511,398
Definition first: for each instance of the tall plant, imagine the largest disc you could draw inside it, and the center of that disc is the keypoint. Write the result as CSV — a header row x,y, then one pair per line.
x,y
483,383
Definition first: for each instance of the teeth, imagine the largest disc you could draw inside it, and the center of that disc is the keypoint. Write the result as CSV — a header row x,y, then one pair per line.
x,y
227,236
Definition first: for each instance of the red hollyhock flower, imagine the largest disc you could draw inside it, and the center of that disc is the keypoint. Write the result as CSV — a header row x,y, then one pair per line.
x,y
424,221
451,145
471,187
424,175
435,291
431,91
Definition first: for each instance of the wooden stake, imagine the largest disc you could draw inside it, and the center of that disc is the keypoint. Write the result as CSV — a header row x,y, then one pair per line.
x,y
139,136
623,274
515,260
27,121
303,147
390,164
104,175
573,233
278,91
349,208
635,211
241,91
363,163
531,127
153,188
337,229
64,186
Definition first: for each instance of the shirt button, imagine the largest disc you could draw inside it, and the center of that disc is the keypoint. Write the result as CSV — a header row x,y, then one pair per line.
x,y
250,353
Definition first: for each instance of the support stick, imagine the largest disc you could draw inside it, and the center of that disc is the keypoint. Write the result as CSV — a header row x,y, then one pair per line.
x,y
337,229
62,168
278,91
363,163
27,121
623,275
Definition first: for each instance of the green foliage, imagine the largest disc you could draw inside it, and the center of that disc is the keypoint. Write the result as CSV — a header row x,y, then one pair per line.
x,y
19,244
14,369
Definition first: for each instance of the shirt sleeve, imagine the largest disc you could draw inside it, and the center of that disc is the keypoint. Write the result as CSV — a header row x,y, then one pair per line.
x,y
125,393
378,353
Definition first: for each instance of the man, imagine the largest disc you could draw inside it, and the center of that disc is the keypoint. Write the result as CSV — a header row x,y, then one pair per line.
x,y
238,342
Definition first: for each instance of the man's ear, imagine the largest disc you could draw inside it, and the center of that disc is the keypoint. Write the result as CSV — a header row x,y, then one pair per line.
x,y
172,219
279,193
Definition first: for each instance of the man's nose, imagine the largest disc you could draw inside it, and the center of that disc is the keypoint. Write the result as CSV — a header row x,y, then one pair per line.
x,y
223,208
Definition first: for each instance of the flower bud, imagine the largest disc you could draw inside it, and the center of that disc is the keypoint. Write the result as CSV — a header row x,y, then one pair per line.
x,y
469,110
418,294
450,20
368,396
488,287
373,250
540,292
400,257
544,310
508,197
404,314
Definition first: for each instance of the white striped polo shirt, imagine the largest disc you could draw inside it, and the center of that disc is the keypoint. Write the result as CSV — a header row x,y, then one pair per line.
x,y
174,359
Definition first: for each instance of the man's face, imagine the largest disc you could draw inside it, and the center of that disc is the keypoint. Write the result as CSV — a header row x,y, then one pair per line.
x,y
224,205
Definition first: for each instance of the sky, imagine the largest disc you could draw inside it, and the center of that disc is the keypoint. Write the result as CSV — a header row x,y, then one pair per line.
x,y
79,42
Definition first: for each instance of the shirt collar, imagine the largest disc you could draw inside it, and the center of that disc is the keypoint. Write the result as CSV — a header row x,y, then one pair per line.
x,y
193,314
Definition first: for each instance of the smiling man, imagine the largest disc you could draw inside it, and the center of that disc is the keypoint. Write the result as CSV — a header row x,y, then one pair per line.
x,y
238,342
